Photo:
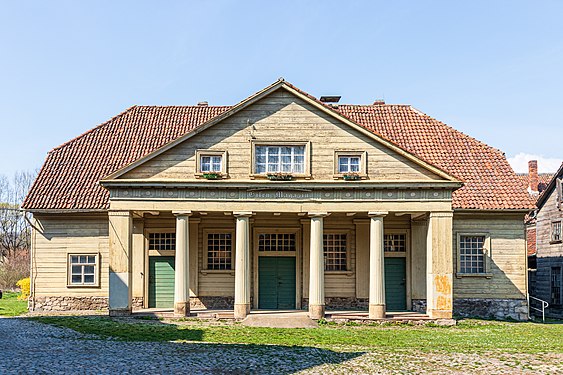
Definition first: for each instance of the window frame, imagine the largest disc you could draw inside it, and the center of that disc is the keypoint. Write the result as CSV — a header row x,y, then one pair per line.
x,y
202,153
551,274
551,231
350,153
348,269
307,157
206,268
487,253
397,254
97,270
153,253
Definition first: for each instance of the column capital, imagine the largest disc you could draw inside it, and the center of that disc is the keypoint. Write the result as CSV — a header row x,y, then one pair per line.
x,y
377,213
243,213
441,214
318,214
182,213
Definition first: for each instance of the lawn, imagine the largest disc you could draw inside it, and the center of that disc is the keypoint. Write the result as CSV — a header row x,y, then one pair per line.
x,y
11,306
469,336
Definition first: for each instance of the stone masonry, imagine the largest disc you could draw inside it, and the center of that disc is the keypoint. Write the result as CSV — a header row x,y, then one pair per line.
x,y
516,309
70,303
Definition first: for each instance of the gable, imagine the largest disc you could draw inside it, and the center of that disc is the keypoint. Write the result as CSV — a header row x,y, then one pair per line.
x,y
281,116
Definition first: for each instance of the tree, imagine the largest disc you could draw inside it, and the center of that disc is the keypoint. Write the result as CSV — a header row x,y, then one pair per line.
x,y
15,232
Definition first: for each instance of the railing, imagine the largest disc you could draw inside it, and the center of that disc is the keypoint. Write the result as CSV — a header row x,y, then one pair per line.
x,y
544,305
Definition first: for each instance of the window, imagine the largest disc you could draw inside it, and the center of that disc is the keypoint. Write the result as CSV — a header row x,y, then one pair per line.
x,y
162,241
335,251
556,289
83,269
276,242
279,159
211,163
556,231
395,243
349,164
472,254
219,251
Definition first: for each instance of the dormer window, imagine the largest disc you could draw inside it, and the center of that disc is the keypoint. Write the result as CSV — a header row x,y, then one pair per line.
x,y
288,159
211,162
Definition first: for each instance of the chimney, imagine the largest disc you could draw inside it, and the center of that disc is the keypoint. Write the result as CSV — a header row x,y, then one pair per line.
x,y
203,104
379,102
533,179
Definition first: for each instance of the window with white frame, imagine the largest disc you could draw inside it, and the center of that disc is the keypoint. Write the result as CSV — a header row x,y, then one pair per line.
x,y
83,269
472,254
211,163
219,251
335,251
279,159
395,242
349,163
556,231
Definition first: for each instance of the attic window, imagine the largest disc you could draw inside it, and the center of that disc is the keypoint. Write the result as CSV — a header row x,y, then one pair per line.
x,y
211,161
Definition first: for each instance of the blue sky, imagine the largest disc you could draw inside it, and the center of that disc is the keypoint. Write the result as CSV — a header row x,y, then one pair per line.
x,y
493,69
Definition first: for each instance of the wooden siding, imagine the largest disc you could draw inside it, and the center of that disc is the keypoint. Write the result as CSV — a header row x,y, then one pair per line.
x,y
56,237
547,254
280,117
507,256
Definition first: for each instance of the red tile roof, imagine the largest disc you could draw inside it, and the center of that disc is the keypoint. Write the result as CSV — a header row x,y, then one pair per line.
x,y
69,178
543,179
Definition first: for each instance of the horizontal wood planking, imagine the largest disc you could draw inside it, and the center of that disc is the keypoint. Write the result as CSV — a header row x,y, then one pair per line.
x,y
281,117
508,257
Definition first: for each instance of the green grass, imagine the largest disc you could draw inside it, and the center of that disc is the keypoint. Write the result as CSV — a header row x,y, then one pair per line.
x,y
467,336
11,306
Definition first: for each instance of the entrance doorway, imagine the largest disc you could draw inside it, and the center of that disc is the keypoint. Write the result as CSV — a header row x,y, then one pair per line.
x,y
395,284
276,277
161,282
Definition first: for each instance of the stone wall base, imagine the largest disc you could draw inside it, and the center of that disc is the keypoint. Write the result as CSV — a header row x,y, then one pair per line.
x,y
137,303
70,303
212,303
516,309
340,303
419,305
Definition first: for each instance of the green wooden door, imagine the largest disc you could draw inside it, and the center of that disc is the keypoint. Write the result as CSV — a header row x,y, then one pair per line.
x,y
161,282
395,284
276,286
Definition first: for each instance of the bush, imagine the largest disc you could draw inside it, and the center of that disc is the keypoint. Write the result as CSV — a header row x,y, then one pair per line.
x,y
14,267
24,285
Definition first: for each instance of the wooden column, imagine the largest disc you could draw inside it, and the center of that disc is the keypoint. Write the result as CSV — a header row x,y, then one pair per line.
x,y
182,265
439,265
242,265
317,267
376,266
120,238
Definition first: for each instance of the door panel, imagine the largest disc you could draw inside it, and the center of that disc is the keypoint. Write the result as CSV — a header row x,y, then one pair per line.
x,y
276,286
161,282
395,284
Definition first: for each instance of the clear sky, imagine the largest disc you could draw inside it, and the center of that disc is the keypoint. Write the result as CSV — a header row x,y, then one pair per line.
x,y
493,69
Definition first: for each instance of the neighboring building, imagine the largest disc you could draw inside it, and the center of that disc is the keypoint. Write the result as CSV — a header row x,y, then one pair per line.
x,y
282,201
549,247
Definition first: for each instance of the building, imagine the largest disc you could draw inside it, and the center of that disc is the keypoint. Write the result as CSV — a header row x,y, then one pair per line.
x,y
548,284
282,201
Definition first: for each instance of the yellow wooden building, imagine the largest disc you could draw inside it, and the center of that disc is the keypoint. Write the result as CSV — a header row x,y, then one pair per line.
x,y
282,201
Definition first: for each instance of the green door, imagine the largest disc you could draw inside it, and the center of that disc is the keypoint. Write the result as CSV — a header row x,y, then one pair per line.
x,y
276,286
395,284
161,282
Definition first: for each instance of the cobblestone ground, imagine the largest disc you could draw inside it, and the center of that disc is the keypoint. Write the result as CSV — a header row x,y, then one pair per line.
x,y
31,347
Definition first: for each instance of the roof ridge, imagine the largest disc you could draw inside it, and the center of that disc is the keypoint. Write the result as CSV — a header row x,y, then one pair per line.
x,y
95,128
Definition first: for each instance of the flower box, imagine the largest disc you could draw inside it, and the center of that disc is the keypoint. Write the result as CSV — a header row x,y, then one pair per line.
x,y
280,177
212,176
351,177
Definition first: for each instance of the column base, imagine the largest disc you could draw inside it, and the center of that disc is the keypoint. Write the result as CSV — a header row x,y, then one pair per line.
x,y
119,312
316,311
440,314
181,309
376,311
242,310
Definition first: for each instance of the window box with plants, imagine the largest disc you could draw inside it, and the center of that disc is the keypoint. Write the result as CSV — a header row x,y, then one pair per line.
x,y
279,176
352,176
212,175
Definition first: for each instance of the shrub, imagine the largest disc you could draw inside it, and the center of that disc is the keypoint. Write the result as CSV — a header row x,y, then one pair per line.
x,y
13,267
24,285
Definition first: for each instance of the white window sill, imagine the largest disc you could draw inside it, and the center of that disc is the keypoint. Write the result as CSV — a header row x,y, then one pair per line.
x,y
94,286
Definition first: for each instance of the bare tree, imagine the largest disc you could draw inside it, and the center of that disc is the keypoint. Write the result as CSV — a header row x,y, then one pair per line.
x,y
15,233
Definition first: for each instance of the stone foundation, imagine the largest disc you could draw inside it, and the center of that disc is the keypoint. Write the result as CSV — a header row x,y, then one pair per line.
x,y
218,303
501,309
340,303
137,303
419,305
70,303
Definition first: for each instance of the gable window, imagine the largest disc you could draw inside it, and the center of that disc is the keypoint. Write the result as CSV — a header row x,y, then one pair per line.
x,y
219,250
347,164
83,269
556,286
556,232
211,161
335,251
472,255
279,159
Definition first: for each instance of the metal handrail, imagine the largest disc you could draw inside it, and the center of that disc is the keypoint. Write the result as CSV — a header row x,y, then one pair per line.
x,y
544,305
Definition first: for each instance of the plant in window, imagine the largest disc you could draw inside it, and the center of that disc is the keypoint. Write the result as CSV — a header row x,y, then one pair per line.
x,y
351,176
279,176
212,175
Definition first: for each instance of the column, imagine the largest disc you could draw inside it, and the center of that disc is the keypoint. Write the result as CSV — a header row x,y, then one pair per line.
x,y
316,267
242,265
376,266
439,265
182,265
120,233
